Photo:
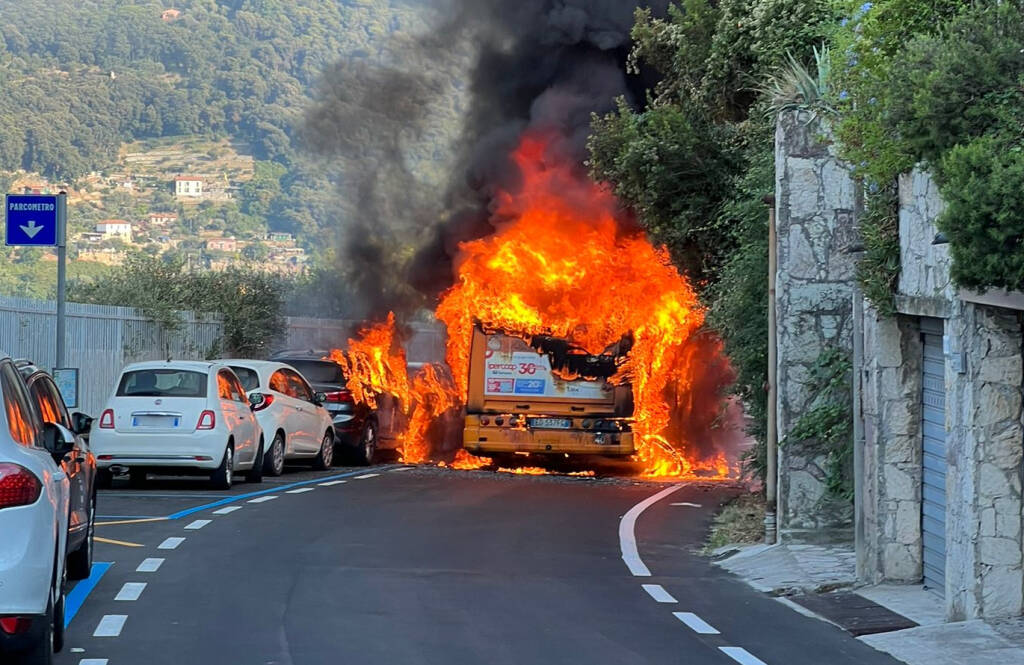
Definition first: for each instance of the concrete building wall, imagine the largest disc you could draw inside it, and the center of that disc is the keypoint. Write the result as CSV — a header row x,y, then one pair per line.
x,y
815,201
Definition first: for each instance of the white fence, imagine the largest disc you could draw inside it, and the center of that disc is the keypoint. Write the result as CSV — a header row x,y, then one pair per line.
x,y
102,339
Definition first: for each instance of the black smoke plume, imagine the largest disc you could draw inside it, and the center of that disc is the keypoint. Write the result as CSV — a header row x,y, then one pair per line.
x,y
526,64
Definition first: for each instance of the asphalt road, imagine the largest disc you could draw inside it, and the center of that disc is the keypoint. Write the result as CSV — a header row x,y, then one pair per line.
x,y
425,566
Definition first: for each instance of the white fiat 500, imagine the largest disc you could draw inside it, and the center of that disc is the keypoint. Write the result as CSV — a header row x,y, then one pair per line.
x,y
292,415
34,495
178,418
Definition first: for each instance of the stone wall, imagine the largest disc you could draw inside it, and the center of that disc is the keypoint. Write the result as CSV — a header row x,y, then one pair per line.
x,y
984,428
815,203
890,403
984,573
924,267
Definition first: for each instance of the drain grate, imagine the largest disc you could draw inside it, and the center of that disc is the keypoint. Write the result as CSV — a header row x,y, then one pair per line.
x,y
854,613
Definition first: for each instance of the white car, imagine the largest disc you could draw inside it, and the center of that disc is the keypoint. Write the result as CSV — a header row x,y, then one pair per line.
x,y
178,417
291,414
34,506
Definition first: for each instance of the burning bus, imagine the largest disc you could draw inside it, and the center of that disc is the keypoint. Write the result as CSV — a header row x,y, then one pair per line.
x,y
542,395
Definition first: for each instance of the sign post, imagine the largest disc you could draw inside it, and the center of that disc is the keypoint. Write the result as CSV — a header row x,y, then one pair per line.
x,y
35,220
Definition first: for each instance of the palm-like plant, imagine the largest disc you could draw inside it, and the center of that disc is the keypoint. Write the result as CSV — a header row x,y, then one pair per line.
x,y
796,88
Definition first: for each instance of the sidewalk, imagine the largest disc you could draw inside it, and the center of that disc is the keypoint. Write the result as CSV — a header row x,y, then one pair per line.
x,y
786,570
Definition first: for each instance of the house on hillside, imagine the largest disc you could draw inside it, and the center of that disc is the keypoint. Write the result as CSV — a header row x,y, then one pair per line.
x,y
115,228
107,256
170,15
162,218
222,244
36,189
188,186
279,237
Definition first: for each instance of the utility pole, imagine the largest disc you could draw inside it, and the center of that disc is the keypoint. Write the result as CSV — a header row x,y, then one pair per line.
x,y
62,251
772,437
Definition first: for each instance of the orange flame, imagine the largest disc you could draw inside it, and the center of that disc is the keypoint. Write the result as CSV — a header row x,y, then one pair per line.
x,y
561,264
465,461
375,365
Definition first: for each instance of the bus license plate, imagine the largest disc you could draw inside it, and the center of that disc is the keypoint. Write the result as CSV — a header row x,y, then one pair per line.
x,y
551,423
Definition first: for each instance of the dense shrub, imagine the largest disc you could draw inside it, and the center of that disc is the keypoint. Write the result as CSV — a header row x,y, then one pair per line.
x,y
982,183
938,83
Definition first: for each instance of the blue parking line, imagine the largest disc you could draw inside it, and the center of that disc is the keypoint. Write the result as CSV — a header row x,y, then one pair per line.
x,y
77,597
232,499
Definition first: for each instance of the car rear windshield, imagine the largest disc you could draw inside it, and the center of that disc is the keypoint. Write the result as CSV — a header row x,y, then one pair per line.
x,y
162,383
319,371
249,378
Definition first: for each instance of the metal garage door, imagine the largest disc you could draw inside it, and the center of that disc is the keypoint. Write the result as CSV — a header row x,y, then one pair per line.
x,y
933,416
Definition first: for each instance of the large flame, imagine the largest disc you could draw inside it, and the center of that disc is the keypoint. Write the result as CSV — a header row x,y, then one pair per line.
x,y
561,263
375,365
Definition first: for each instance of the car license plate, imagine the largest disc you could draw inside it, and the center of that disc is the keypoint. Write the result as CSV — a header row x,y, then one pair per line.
x,y
155,421
551,423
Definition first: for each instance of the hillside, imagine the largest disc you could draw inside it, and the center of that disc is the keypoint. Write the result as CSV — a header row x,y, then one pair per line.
x,y
113,91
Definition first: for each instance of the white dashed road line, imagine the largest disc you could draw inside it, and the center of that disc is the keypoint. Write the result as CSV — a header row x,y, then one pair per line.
x,y
658,593
149,566
331,483
93,661
197,524
696,623
627,532
171,543
263,499
403,468
300,490
367,475
130,591
686,504
741,656
110,625
227,510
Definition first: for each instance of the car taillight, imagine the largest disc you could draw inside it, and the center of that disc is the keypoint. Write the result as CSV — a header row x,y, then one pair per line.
x,y
18,486
340,396
267,401
107,419
206,420
15,625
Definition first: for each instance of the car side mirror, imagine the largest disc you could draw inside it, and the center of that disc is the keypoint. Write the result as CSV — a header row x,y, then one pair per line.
x,y
319,398
256,400
80,423
58,441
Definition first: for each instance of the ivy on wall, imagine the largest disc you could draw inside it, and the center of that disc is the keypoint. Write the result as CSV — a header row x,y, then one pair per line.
x,y
827,423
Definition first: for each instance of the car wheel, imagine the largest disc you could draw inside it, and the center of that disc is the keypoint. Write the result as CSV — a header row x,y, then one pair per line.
x,y
273,461
222,477
367,451
137,478
255,474
80,561
326,455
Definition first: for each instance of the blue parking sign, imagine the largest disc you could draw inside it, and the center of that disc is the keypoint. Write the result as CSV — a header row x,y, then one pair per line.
x,y
32,220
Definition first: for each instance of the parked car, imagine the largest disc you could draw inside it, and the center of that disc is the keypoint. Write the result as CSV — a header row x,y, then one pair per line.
x,y
362,431
79,464
291,414
34,505
180,418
